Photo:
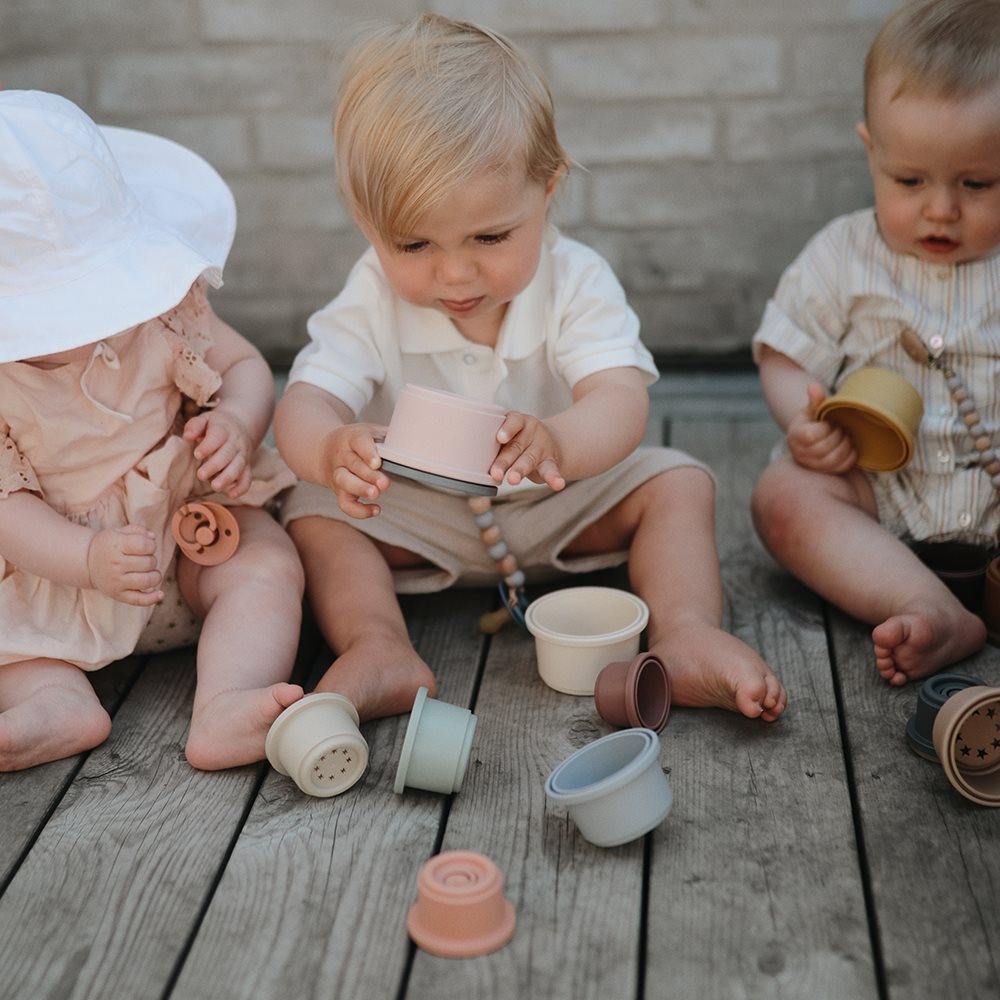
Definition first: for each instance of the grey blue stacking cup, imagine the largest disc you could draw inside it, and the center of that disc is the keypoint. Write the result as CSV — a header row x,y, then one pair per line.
x,y
614,788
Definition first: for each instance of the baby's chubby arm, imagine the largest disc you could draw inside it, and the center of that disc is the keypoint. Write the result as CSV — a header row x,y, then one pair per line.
x,y
227,436
606,422
813,444
119,562
317,437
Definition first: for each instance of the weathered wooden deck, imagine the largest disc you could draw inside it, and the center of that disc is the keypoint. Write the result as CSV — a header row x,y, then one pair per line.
x,y
815,858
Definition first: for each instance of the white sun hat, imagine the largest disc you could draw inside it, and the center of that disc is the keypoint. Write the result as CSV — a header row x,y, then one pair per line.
x,y
101,228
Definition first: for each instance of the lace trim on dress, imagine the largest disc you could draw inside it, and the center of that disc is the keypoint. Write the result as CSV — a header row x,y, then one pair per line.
x,y
16,472
189,337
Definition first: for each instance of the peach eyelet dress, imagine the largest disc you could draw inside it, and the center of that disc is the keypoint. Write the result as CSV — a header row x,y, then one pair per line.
x,y
99,440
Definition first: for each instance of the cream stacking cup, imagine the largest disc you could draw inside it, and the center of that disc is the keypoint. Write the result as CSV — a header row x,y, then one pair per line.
x,y
580,630
316,741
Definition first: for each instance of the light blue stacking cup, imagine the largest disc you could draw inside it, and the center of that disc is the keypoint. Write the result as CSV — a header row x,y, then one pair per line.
x,y
613,788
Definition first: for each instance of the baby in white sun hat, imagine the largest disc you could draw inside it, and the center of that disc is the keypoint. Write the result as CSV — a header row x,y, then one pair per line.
x,y
123,397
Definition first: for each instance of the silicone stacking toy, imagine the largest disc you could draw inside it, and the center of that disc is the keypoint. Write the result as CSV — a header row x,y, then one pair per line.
x,y
933,693
634,693
436,746
317,742
967,741
460,910
991,601
614,788
580,630
881,412
206,532
443,439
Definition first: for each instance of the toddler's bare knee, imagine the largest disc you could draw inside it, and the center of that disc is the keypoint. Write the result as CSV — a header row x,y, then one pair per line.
x,y
772,508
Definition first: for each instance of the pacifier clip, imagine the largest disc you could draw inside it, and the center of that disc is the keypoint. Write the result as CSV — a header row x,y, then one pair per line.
x,y
989,459
515,601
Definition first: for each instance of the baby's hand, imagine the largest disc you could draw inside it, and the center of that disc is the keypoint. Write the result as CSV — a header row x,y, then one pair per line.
x,y
224,448
817,444
122,565
355,472
528,451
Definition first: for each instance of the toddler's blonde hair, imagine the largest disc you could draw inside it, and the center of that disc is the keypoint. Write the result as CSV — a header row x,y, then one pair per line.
x,y
425,105
945,48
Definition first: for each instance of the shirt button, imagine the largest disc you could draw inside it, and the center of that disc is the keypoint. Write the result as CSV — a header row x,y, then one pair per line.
x,y
469,359
943,457
943,273
965,519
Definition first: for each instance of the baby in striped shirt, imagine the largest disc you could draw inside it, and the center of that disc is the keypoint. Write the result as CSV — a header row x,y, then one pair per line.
x,y
924,262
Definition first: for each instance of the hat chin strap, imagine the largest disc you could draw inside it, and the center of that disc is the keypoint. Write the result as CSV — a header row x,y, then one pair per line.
x,y
110,358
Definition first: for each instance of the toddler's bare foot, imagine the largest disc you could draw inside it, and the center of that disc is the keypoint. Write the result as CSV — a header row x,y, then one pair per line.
x,y
54,722
710,668
915,644
229,728
380,676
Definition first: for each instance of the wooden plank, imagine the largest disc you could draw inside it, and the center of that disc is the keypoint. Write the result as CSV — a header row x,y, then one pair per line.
x,y
579,907
314,899
107,896
28,797
933,856
755,889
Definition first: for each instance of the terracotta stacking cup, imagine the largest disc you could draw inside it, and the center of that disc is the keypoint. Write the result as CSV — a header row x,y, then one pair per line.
x,y
316,741
967,741
991,601
460,910
634,693
614,788
960,565
206,532
443,439
580,630
436,746
880,411
933,693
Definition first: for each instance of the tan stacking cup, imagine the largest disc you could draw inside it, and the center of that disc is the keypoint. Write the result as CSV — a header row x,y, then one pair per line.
x,y
880,411
967,741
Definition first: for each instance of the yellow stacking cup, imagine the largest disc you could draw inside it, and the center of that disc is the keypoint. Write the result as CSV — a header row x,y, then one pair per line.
x,y
880,411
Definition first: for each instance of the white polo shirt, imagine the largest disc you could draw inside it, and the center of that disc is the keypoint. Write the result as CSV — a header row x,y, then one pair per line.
x,y
570,322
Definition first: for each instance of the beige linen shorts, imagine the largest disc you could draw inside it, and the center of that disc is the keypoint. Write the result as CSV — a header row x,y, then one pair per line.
x,y
536,525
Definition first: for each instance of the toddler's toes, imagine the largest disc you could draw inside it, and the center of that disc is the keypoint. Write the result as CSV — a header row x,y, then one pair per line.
x,y
285,695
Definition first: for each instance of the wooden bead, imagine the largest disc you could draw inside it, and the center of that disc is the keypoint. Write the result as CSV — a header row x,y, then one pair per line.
x,y
479,505
507,565
971,418
992,469
490,536
982,443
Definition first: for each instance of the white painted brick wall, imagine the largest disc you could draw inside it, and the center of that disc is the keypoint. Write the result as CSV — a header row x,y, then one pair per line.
x,y
716,135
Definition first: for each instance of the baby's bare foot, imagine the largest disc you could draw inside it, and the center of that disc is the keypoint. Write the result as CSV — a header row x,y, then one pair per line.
x,y
918,643
228,729
55,722
710,668
380,676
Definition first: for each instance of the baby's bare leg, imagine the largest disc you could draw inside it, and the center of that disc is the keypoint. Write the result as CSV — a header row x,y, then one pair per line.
x,y
48,710
825,530
351,592
668,525
252,606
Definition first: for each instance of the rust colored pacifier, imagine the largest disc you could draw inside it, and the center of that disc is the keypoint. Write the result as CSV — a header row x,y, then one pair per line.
x,y
207,533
